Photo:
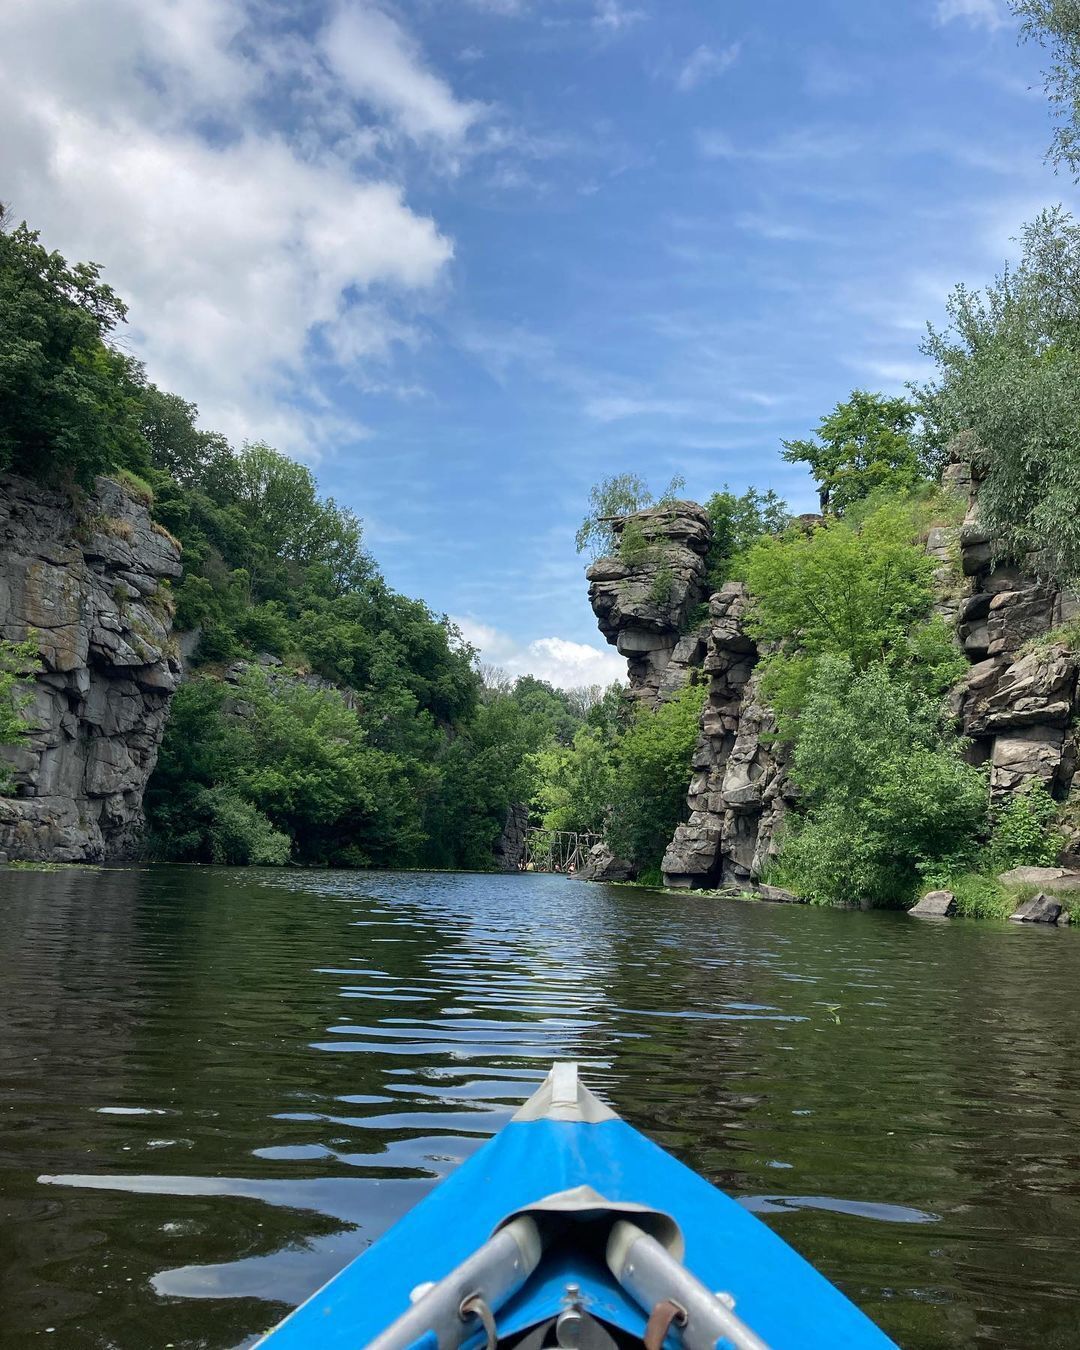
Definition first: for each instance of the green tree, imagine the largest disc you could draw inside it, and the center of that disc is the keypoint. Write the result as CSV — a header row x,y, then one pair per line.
x,y
485,768
863,445
611,499
69,402
737,523
575,784
1055,25
19,662
652,769
858,591
299,761
1008,371
549,712
885,794
176,445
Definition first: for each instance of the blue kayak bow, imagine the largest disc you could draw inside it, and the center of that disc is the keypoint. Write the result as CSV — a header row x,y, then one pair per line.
x,y
570,1228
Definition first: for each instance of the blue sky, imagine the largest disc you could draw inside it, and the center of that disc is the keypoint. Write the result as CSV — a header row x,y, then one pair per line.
x,y
468,256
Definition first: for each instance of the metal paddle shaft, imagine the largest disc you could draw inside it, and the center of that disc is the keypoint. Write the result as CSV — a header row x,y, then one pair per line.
x,y
649,1272
448,1311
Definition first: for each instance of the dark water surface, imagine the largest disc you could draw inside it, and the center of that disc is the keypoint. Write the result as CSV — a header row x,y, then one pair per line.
x,y
216,1087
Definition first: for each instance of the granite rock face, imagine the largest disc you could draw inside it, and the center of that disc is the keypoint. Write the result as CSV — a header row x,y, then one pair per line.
x,y
87,582
509,850
603,865
643,597
740,790
1019,708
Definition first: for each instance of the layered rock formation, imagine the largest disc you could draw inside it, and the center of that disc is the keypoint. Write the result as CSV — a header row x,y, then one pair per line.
x,y
643,597
1018,709
87,582
740,788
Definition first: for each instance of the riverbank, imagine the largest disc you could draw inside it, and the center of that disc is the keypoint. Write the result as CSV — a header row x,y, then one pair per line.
x,y
972,895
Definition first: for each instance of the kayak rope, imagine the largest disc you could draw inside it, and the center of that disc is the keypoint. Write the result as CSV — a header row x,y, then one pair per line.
x,y
660,1319
477,1306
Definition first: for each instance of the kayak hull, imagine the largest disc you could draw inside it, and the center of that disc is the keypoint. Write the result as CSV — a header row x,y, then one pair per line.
x,y
779,1295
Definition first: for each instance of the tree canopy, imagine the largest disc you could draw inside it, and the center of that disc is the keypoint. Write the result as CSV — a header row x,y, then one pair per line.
x,y
1055,25
865,444
69,402
1008,371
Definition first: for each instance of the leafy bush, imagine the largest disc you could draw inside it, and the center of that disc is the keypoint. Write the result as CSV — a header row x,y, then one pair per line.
x,y
652,769
1022,834
856,592
239,834
633,546
660,590
886,795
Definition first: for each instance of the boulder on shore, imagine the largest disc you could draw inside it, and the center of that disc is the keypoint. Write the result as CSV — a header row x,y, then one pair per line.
x,y
778,895
935,905
1057,878
603,865
1040,908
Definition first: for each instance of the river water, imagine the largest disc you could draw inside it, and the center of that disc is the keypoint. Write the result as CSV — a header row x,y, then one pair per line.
x,y
218,1086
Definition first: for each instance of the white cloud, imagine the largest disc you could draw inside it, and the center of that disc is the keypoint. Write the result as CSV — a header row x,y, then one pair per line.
x,y
379,63
612,16
981,13
618,407
234,251
563,663
781,231
704,63
805,143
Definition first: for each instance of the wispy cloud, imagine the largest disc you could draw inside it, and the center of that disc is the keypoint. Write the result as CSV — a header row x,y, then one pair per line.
x,y
612,16
617,407
980,13
828,76
379,63
805,143
704,63
895,373
779,229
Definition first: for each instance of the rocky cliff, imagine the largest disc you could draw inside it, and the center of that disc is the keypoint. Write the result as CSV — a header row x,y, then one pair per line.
x,y
88,581
740,788
644,596
1019,710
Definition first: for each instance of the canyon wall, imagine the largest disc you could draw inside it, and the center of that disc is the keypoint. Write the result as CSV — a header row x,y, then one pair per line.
x,y
88,579
1019,709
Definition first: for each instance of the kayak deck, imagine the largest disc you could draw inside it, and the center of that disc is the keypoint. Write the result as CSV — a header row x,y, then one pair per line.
x,y
573,1169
